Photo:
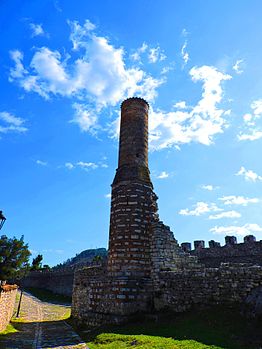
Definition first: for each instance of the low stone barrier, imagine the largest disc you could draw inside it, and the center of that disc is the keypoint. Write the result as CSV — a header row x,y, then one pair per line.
x,y
7,303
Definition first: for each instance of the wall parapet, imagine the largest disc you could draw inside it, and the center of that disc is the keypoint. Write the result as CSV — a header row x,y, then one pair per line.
x,y
249,251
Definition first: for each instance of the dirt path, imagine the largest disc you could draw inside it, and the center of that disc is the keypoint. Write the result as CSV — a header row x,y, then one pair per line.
x,y
42,325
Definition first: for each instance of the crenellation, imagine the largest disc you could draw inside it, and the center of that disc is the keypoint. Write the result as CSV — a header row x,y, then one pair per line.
x,y
248,251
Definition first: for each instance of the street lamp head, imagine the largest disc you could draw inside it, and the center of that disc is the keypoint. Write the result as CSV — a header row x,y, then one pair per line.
x,y
2,219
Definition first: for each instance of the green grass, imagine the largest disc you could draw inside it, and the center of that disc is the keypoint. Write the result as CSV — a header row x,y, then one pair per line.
x,y
9,329
48,296
117,341
216,328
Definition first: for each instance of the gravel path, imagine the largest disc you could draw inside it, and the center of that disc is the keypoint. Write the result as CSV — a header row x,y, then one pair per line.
x,y
42,325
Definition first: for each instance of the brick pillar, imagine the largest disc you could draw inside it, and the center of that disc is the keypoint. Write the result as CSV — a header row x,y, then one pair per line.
x,y
133,202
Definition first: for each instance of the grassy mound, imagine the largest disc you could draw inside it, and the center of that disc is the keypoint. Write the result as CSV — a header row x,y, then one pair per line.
x,y
118,341
215,328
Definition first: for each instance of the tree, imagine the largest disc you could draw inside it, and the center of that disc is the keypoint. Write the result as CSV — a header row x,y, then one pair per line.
x,y
37,262
97,258
14,256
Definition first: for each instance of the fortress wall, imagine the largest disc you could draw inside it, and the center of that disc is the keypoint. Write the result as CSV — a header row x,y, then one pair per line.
x,y
59,282
248,252
7,303
100,299
228,285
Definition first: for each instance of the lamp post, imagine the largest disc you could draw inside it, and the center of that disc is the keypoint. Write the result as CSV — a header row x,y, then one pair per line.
x,y
2,219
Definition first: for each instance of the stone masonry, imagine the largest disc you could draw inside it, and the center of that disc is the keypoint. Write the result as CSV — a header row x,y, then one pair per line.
x,y
7,303
147,270
249,251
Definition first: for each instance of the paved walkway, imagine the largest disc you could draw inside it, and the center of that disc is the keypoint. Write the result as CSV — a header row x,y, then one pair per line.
x,y
42,325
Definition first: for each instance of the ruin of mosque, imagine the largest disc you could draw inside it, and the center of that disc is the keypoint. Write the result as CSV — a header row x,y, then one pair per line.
x,y
146,270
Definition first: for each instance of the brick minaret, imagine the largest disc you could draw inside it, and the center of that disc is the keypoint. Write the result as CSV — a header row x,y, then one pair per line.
x,y
133,203
140,246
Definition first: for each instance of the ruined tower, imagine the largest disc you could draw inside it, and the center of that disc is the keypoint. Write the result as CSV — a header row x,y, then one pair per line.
x,y
140,246
133,203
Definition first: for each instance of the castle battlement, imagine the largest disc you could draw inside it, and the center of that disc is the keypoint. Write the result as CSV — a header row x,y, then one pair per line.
x,y
229,241
248,251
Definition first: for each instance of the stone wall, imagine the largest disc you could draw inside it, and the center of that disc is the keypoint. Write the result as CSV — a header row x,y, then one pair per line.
x,y
60,282
165,253
247,252
99,298
7,303
229,284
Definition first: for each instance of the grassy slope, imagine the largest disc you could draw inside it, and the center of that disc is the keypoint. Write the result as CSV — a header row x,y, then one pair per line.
x,y
9,329
216,329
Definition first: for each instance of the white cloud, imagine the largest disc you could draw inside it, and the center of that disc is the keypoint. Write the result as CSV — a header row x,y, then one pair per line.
x,y
87,165
163,175
209,187
251,132
11,123
98,74
237,66
252,136
167,69
85,117
201,123
184,32
238,200
156,55
153,54
200,208
37,30
136,56
246,229
225,214
108,196
41,163
69,165
18,71
180,105
249,175
184,53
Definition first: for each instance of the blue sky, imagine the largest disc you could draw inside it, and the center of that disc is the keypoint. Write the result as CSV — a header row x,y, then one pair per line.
x,y
65,68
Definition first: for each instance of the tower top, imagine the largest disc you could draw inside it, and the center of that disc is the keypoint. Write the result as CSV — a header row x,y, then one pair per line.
x,y
130,100
133,142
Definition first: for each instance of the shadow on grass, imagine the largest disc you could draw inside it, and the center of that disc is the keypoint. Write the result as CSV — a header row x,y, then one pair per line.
x,y
216,327
54,334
